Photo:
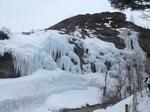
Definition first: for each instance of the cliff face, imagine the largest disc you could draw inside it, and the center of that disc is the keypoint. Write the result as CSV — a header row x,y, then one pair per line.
x,y
86,46
104,26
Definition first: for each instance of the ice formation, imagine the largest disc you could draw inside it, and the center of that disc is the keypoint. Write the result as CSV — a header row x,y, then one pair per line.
x,y
39,50
50,50
42,54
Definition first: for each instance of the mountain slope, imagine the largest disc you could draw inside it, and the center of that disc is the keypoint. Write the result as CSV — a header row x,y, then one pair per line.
x,y
93,54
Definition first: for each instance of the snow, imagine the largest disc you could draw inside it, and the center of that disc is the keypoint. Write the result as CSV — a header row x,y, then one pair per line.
x,y
40,50
39,58
26,15
107,24
140,17
142,106
119,107
95,48
48,89
144,103
71,99
51,50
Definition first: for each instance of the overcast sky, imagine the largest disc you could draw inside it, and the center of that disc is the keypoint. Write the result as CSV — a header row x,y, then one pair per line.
x,y
24,15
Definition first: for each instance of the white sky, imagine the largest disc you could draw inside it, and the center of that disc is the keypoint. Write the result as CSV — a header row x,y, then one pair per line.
x,y
24,15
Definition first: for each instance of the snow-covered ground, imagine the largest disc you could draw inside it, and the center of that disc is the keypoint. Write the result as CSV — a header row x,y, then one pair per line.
x,y
119,107
44,91
142,106
144,103
26,15
71,99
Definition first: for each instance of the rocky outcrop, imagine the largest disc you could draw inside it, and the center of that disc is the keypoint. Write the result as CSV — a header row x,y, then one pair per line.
x,y
104,26
3,36
88,21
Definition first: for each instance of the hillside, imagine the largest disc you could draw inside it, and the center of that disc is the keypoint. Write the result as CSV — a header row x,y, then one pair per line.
x,y
86,59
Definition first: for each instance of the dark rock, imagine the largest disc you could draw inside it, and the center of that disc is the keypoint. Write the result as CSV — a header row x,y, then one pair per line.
x,y
103,26
93,68
80,52
3,36
89,108
7,67
108,65
88,21
95,22
144,40
145,44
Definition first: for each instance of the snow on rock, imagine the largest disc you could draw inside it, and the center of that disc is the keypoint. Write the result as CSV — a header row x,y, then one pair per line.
x,y
98,53
38,50
140,17
50,50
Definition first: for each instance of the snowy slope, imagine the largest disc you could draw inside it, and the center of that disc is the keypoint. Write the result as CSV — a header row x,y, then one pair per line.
x,y
26,15
47,90
142,106
119,107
